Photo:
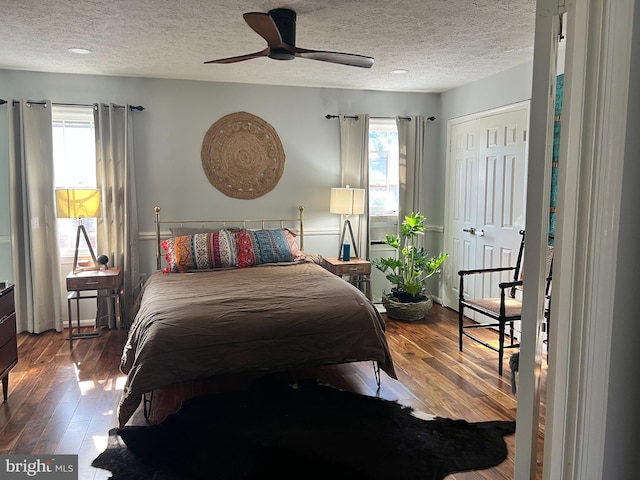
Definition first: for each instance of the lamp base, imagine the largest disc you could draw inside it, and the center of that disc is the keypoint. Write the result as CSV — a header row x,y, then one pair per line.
x,y
84,265
347,224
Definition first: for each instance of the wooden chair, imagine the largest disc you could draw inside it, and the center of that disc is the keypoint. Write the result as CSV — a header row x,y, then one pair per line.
x,y
500,311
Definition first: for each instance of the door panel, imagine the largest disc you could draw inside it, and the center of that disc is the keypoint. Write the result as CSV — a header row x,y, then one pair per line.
x,y
464,142
502,156
486,194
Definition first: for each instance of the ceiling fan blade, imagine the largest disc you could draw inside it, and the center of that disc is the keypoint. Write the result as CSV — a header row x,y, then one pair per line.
x,y
278,28
241,58
335,57
263,25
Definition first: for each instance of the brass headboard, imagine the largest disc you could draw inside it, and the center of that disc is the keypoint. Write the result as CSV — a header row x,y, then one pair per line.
x,y
218,224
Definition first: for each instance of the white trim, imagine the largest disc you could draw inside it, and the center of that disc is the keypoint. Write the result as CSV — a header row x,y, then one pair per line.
x,y
593,138
537,226
512,107
434,228
559,431
317,232
150,236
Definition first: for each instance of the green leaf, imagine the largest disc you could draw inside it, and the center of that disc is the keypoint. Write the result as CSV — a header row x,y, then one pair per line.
x,y
413,266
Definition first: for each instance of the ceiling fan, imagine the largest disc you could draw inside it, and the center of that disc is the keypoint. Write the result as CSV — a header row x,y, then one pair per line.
x,y
278,28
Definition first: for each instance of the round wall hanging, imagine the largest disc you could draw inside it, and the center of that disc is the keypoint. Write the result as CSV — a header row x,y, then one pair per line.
x,y
242,156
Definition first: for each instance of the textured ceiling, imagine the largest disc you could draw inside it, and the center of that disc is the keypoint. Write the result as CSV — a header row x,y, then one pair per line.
x,y
443,43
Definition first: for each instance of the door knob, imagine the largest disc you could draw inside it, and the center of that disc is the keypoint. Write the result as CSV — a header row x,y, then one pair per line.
x,y
471,230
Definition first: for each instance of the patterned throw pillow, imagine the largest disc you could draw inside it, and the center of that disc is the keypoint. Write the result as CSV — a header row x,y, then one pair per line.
x,y
257,247
200,251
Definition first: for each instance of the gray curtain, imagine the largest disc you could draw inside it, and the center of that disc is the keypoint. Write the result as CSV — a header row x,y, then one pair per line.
x,y
118,226
354,155
411,158
34,238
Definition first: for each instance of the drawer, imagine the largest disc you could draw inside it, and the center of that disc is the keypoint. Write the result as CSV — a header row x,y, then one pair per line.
x,y
360,269
7,328
7,304
8,356
94,282
363,268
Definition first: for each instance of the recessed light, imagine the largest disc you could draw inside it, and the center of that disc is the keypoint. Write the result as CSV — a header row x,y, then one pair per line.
x,y
399,71
79,51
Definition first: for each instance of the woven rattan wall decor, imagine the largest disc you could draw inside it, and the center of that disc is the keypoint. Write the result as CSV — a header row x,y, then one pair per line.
x,y
242,156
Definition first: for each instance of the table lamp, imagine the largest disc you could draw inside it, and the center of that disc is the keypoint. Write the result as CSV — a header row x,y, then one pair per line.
x,y
347,201
79,203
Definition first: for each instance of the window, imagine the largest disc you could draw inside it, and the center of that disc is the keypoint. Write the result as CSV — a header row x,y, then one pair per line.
x,y
384,172
74,161
383,167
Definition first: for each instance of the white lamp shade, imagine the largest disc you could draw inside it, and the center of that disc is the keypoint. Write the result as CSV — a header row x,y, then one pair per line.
x,y
77,203
347,201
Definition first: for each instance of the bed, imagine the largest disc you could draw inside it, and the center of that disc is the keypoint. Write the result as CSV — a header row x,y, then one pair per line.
x,y
249,312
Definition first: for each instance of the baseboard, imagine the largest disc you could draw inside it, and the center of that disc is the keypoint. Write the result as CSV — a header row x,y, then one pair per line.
x,y
88,322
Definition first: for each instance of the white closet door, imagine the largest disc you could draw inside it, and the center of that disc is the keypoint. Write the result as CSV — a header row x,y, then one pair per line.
x,y
486,180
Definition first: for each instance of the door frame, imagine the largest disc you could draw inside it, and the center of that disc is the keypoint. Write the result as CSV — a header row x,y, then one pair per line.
x,y
591,167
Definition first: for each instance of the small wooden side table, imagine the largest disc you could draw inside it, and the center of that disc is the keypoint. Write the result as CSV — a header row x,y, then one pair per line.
x,y
108,281
357,270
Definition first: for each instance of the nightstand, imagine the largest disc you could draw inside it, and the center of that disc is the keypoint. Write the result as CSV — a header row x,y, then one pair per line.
x,y
108,282
357,271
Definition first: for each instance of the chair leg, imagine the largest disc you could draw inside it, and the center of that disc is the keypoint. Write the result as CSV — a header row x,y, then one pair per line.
x,y
460,320
511,333
501,347
548,319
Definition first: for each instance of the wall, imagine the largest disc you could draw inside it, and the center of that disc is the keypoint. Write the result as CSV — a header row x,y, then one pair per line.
x,y
501,89
169,133
168,137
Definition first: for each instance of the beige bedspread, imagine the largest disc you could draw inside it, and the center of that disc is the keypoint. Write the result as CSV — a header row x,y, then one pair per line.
x,y
192,326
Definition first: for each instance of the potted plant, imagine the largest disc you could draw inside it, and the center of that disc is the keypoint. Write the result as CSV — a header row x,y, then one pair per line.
x,y
409,299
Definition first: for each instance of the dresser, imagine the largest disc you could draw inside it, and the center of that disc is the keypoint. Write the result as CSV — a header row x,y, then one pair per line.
x,y
8,339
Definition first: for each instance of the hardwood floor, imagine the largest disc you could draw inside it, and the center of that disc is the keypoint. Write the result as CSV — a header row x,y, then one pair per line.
x,y
64,402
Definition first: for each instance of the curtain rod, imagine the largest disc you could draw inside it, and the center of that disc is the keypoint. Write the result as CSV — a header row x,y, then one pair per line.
x,y
328,116
94,105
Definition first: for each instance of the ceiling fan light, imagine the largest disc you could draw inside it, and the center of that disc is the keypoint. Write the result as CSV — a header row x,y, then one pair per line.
x,y
79,51
281,54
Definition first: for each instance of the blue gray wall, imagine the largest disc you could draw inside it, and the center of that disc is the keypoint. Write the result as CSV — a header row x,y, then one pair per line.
x,y
168,138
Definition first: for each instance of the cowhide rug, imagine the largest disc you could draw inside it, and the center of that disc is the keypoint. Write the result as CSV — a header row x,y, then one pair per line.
x,y
305,431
